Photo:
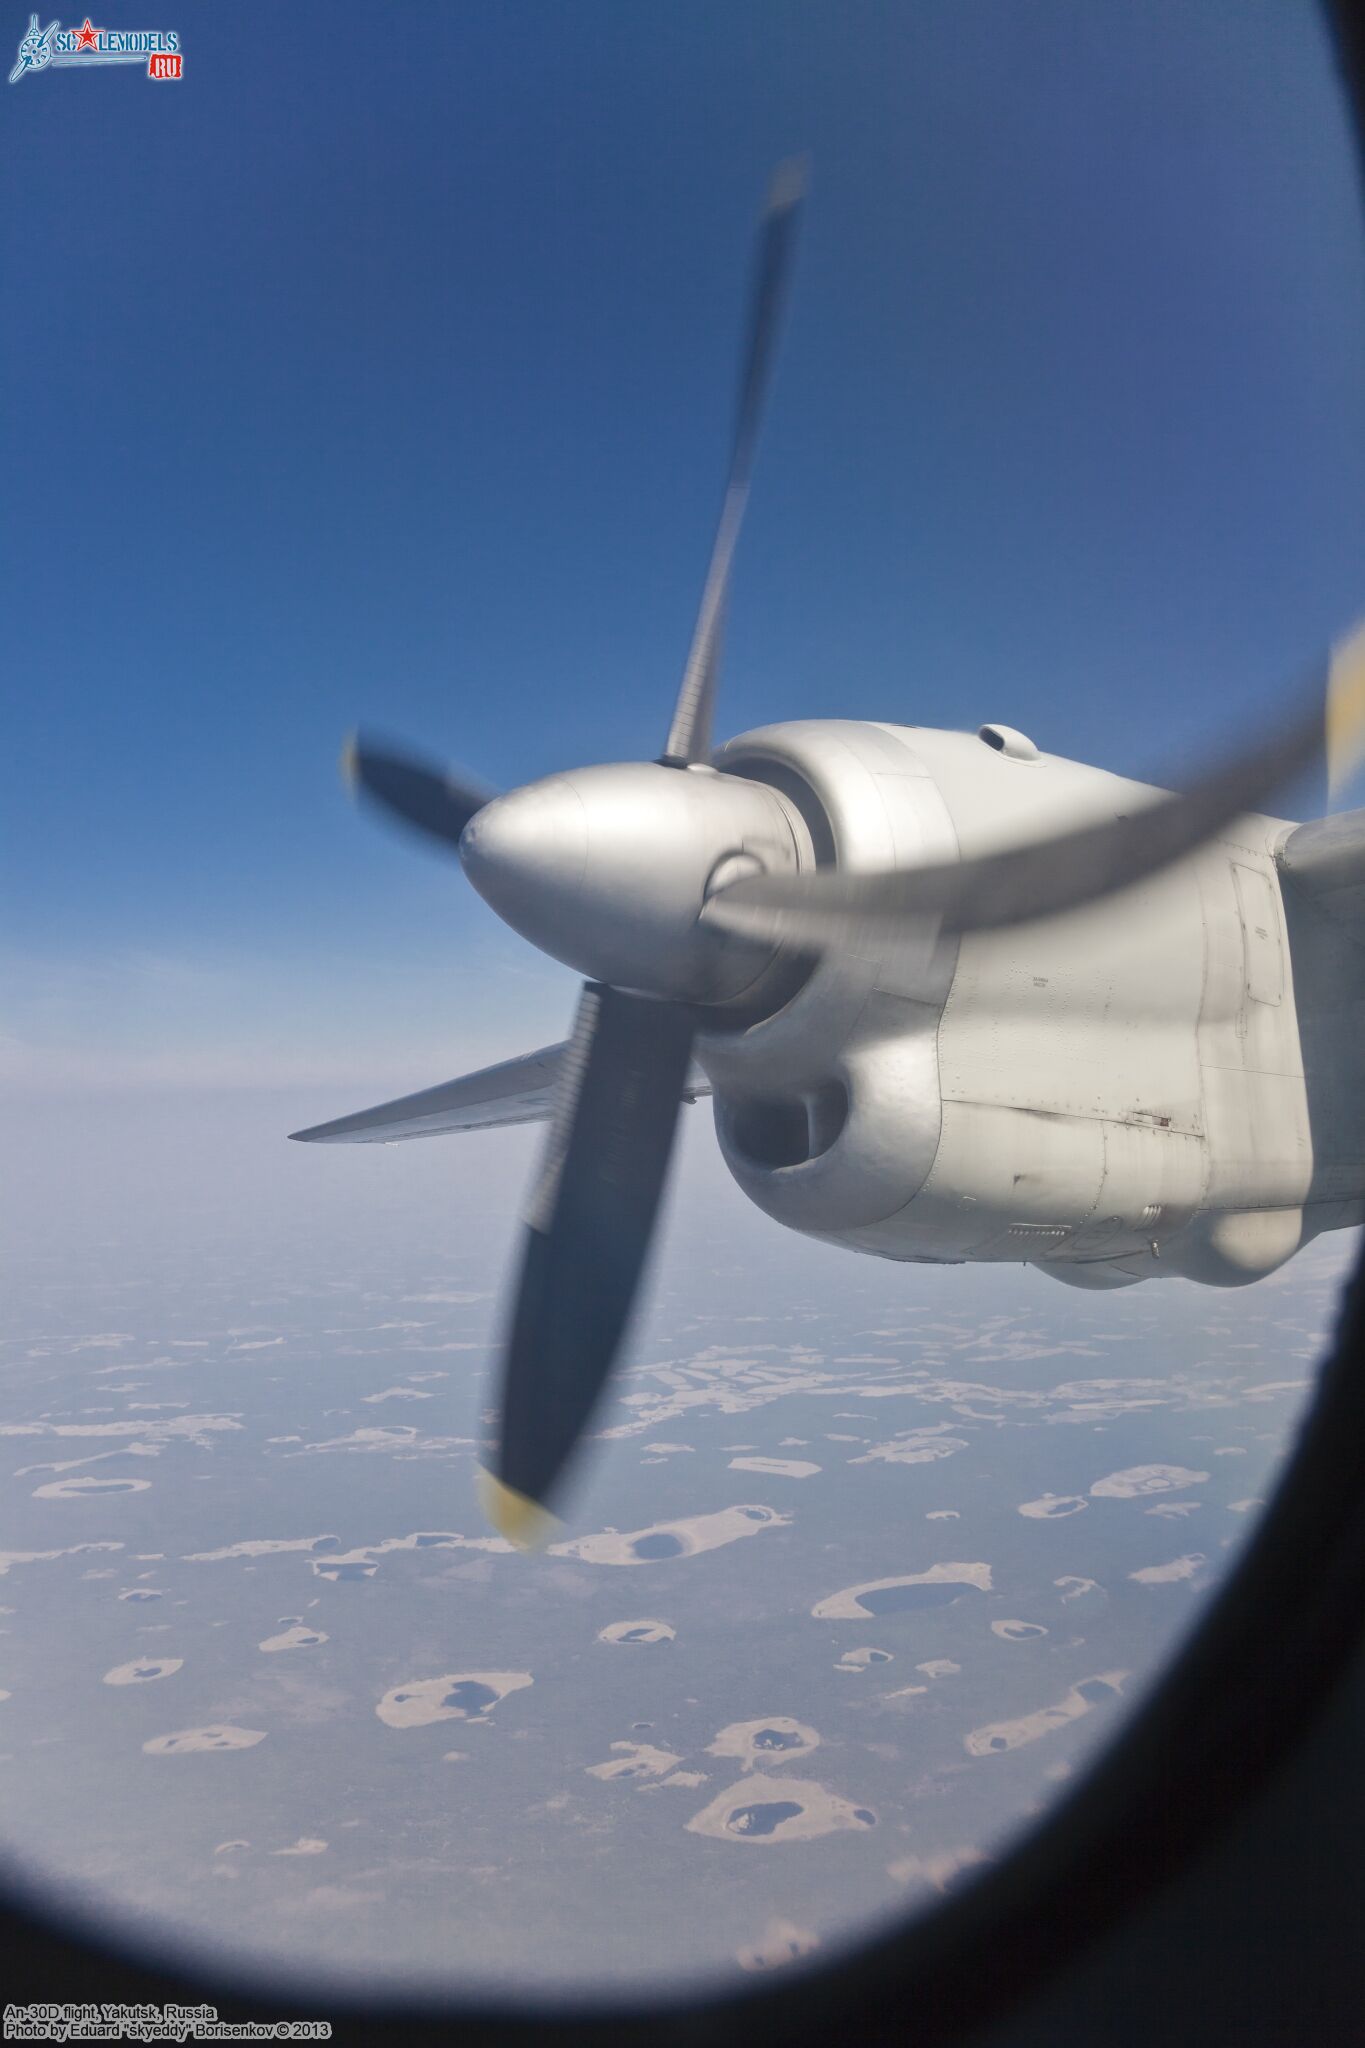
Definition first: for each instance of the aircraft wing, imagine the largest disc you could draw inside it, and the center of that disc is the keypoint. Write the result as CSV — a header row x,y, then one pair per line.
x,y
519,1091
1325,862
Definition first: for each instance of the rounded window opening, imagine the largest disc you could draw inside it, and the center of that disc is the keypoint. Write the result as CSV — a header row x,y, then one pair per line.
x,y
868,1559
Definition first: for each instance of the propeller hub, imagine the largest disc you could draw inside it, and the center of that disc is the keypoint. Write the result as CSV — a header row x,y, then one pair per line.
x,y
608,868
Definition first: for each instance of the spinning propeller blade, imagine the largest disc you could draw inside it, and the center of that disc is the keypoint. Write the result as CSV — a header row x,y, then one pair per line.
x,y
689,736
592,1213
1040,880
437,801
588,1230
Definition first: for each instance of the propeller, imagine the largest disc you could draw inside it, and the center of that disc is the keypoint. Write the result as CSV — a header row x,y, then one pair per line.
x,y
420,794
1074,868
675,889
620,902
689,735
588,1230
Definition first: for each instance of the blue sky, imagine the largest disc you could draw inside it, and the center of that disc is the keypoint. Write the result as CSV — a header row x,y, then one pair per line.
x,y
380,371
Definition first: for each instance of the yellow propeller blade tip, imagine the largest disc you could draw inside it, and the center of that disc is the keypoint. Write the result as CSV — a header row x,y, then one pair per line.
x,y
349,763
523,1522
1345,710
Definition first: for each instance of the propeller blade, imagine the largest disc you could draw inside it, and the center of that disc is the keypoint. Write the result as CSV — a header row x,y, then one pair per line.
x,y
589,1226
689,736
1020,883
431,799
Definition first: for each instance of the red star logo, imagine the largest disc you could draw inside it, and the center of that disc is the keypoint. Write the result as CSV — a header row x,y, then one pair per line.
x,y
86,39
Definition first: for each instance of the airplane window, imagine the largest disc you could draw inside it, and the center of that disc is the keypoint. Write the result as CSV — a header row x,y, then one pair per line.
x,y
985,1302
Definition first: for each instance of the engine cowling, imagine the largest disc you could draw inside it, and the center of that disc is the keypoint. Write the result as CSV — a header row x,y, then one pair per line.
x,y
828,1110
1111,1095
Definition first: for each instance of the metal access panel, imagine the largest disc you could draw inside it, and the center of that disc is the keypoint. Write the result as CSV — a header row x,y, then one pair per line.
x,y
1260,933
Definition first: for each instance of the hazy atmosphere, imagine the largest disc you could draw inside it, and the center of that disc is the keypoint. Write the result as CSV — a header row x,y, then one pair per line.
x,y
273,1680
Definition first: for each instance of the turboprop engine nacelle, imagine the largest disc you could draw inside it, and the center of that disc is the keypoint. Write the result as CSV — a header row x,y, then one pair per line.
x,y
1112,1094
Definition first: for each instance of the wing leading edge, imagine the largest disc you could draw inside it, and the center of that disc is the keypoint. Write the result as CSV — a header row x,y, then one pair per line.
x,y
519,1091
